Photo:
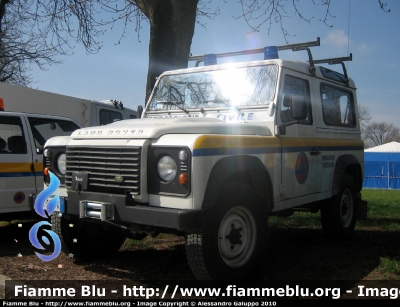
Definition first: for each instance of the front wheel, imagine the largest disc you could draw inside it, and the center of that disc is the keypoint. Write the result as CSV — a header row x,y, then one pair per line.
x,y
234,237
338,216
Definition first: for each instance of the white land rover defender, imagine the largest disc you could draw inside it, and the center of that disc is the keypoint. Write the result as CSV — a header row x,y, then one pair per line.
x,y
218,149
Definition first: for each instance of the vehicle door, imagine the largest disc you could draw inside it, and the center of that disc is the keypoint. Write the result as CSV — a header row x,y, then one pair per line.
x,y
300,152
42,128
17,176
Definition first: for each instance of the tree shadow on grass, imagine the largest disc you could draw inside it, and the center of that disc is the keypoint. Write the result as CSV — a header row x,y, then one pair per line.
x,y
293,254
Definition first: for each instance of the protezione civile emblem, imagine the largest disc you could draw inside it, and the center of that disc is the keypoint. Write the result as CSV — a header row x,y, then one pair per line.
x,y
38,235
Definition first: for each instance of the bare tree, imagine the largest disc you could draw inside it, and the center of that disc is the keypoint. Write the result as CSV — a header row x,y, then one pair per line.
x,y
3,4
381,133
20,47
60,23
364,117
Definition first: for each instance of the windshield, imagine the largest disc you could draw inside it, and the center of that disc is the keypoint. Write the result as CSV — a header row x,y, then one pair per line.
x,y
245,86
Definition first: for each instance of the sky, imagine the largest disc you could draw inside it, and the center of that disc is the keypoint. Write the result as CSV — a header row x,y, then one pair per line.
x,y
360,27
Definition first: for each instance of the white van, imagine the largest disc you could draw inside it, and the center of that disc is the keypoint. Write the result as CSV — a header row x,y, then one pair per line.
x,y
86,112
22,136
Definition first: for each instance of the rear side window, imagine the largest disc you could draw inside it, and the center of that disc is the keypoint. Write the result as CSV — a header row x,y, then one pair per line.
x,y
12,138
337,106
108,117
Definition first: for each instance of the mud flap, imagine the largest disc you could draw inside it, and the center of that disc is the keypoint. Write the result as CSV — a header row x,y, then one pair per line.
x,y
361,212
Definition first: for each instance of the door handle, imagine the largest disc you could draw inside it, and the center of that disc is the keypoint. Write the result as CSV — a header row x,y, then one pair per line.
x,y
315,152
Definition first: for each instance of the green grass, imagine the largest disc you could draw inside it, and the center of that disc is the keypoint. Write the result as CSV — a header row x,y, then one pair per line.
x,y
389,266
298,219
383,213
382,225
11,222
383,209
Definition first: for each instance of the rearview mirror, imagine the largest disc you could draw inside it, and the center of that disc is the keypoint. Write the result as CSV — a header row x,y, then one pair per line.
x,y
139,111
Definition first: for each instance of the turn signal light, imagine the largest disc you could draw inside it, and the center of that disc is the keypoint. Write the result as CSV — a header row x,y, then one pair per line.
x,y
183,178
46,171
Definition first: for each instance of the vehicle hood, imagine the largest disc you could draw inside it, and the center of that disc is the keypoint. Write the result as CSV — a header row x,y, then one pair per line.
x,y
57,141
156,127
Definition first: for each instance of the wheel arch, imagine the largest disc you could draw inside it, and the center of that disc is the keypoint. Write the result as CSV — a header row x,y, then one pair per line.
x,y
347,164
245,169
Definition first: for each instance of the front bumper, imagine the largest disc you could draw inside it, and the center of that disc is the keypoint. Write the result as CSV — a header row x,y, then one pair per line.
x,y
118,209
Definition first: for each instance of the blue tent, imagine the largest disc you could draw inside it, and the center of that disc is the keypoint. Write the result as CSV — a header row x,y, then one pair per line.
x,y
382,167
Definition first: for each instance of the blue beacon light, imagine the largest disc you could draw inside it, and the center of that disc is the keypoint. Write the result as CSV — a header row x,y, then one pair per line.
x,y
271,53
210,59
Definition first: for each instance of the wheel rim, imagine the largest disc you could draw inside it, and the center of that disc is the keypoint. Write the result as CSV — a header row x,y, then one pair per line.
x,y
237,236
346,208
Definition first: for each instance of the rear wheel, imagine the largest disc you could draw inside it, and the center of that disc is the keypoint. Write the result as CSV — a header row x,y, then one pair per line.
x,y
86,240
234,237
338,216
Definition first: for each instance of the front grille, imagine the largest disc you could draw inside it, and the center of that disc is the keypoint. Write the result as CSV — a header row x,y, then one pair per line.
x,y
104,164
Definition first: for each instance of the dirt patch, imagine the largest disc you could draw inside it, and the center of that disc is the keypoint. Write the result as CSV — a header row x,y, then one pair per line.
x,y
295,254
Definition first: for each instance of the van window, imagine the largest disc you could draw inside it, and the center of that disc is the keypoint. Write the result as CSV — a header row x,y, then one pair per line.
x,y
12,138
337,106
45,128
107,117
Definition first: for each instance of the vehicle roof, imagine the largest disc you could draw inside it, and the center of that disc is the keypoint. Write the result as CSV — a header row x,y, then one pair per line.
x,y
39,115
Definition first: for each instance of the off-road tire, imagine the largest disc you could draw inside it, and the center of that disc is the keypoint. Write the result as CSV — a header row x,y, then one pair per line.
x,y
338,215
234,238
86,240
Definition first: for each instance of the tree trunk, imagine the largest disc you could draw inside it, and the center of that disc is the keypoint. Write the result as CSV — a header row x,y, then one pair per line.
x,y
172,24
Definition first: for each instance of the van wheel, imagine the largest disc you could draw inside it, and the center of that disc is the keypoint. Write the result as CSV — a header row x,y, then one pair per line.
x,y
338,216
86,240
233,239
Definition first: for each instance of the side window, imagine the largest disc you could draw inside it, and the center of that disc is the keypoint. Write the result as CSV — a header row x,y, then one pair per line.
x,y
107,117
337,106
45,128
295,86
12,138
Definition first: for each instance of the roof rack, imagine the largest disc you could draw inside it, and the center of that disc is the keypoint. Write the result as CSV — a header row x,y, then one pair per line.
x,y
334,61
294,47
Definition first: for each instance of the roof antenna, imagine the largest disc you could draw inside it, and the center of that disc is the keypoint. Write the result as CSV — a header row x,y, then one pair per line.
x,y
348,34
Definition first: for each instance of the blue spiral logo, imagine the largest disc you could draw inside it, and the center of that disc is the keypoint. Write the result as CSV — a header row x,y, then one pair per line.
x,y
40,237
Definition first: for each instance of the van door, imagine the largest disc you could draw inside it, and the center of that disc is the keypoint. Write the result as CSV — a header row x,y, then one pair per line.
x,y
300,151
17,176
42,128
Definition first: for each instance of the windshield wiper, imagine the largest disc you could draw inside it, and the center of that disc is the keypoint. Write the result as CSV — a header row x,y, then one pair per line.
x,y
225,102
176,104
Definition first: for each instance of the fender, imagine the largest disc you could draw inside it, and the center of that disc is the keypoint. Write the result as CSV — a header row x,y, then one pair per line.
x,y
347,164
243,168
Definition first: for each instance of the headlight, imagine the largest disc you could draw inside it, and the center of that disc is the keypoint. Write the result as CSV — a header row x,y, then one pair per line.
x,y
47,152
166,168
61,165
183,155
